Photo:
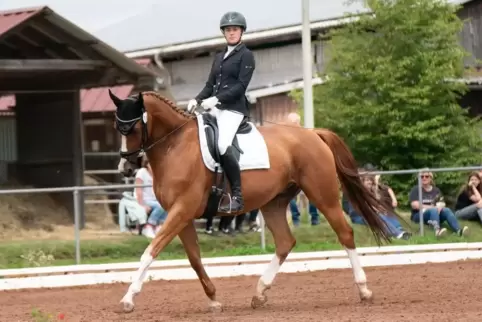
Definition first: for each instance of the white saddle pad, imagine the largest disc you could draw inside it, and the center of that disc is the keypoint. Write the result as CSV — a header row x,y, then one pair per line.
x,y
255,152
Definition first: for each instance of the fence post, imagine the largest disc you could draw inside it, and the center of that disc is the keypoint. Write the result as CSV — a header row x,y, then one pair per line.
x,y
77,224
263,231
420,209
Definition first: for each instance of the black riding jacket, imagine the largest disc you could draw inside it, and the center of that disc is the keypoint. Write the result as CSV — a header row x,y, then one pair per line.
x,y
229,79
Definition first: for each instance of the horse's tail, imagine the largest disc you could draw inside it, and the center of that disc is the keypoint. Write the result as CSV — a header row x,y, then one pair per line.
x,y
367,205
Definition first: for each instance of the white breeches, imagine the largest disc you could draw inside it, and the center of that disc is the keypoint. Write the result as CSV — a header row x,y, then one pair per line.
x,y
228,124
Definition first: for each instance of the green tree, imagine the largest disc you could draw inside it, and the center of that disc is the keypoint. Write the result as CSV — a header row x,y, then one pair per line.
x,y
390,91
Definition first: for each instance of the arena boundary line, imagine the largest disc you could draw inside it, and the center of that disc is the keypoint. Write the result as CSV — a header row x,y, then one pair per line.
x,y
237,260
301,262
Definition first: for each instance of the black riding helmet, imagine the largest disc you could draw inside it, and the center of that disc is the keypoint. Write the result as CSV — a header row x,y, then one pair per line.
x,y
233,18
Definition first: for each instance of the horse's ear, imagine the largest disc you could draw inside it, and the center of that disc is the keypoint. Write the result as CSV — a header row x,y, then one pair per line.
x,y
117,101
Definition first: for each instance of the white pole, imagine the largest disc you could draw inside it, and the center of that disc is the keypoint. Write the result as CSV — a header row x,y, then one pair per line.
x,y
307,66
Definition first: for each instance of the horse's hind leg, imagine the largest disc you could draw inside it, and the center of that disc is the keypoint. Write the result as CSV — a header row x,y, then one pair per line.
x,y
325,195
189,239
274,214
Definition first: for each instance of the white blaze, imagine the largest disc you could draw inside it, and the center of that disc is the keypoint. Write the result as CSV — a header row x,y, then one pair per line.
x,y
120,166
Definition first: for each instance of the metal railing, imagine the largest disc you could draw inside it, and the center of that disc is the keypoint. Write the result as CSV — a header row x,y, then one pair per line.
x,y
419,180
77,189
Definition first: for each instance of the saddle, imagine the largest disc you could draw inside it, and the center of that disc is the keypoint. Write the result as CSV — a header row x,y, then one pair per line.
x,y
212,135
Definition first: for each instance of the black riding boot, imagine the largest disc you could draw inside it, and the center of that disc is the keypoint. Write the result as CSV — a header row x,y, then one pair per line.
x,y
233,173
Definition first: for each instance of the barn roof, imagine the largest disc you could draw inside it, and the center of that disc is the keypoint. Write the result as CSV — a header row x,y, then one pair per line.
x,y
41,48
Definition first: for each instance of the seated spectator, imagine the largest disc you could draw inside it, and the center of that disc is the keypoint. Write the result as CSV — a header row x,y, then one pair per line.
x,y
146,198
131,214
433,208
392,223
469,201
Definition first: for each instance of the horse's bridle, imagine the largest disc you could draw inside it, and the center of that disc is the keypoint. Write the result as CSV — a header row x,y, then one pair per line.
x,y
125,127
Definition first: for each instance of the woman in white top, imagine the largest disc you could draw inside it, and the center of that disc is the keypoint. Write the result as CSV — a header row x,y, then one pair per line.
x,y
146,198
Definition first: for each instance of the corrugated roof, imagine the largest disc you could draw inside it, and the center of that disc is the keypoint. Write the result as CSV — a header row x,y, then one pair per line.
x,y
174,22
12,18
98,100
65,41
91,100
6,102
169,23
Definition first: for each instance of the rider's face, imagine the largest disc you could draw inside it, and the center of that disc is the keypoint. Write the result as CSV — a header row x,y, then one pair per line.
x,y
233,34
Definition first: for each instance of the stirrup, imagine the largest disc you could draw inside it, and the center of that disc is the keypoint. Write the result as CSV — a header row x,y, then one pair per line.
x,y
230,209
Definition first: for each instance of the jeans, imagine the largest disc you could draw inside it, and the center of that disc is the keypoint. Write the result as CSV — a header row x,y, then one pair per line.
x,y
432,214
394,226
295,213
471,212
157,215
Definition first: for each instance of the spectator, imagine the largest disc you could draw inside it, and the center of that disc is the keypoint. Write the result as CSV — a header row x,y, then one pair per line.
x,y
131,213
253,220
392,223
469,201
146,198
295,213
294,119
433,208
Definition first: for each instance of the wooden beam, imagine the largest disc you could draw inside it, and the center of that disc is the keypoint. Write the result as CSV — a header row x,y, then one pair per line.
x,y
54,36
28,65
59,81
50,83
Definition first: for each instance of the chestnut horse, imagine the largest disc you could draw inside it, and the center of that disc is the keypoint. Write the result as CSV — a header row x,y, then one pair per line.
x,y
307,159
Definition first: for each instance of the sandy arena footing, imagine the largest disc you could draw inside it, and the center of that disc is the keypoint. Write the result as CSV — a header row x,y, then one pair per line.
x,y
430,292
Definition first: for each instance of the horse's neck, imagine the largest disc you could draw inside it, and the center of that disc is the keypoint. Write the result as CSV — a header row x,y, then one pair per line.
x,y
167,138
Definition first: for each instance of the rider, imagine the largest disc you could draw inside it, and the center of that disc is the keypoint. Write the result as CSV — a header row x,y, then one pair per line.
x,y
224,93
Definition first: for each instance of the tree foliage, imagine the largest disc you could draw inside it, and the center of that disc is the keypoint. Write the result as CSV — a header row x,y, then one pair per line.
x,y
390,90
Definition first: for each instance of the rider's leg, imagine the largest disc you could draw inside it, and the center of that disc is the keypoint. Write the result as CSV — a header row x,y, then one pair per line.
x,y
228,124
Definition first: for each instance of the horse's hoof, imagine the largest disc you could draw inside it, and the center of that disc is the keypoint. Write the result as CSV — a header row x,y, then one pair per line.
x,y
127,307
367,296
215,307
258,300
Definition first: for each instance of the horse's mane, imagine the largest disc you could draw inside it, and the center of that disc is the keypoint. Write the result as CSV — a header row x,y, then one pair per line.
x,y
171,104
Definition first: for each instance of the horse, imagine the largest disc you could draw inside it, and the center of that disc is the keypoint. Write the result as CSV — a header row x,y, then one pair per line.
x,y
312,160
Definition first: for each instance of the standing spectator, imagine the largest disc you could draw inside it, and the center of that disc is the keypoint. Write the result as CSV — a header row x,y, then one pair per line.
x,y
253,220
469,201
146,198
294,119
433,208
295,213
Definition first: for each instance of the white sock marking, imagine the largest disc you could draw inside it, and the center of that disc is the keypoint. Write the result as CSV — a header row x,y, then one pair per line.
x,y
139,276
268,276
358,273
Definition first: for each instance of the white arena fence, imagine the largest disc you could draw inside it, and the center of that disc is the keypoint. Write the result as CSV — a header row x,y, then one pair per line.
x,y
81,275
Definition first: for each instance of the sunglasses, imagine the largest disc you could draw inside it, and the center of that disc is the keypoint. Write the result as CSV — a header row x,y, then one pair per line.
x,y
425,176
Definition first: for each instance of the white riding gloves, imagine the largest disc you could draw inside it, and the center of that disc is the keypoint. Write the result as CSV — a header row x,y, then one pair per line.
x,y
210,103
191,105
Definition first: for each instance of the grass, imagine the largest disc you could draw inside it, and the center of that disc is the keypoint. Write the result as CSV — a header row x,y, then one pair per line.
x,y
48,253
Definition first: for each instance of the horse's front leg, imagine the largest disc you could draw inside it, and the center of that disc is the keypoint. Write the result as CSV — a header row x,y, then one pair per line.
x,y
179,216
189,239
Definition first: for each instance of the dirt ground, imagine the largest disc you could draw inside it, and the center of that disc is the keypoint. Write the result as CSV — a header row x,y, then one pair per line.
x,y
431,292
